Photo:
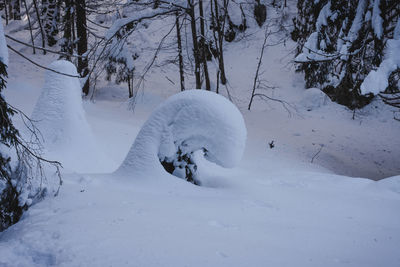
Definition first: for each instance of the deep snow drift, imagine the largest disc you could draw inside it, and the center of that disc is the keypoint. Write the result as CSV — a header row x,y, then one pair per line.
x,y
189,121
276,208
61,120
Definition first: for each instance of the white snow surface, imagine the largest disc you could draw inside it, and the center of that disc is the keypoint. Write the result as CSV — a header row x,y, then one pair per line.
x,y
192,120
61,120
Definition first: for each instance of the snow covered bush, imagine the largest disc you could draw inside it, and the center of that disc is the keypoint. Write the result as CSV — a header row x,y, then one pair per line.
x,y
60,117
193,120
341,47
22,180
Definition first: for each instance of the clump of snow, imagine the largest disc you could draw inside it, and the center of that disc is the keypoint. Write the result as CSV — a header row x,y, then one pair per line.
x,y
189,121
323,16
134,17
396,33
358,21
3,45
314,98
377,20
60,117
312,50
377,80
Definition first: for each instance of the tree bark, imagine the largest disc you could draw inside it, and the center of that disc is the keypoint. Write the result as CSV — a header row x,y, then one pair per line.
x,y
17,10
220,33
83,69
30,26
66,46
196,53
203,47
6,10
40,26
180,58
51,13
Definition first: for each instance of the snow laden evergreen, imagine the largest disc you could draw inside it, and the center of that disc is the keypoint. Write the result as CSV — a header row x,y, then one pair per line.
x,y
187,122
22,180
340,43
10,210
60,117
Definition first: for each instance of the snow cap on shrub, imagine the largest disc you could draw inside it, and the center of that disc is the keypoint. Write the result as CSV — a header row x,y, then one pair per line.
x,y
191,120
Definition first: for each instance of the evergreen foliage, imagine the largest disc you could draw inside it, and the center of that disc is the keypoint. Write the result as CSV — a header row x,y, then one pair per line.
x,y
340,42
10,210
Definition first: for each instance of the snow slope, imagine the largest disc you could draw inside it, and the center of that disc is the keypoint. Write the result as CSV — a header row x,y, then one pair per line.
x,y
276,208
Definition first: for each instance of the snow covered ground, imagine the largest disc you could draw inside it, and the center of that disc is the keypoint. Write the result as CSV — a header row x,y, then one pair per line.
x,y
296,204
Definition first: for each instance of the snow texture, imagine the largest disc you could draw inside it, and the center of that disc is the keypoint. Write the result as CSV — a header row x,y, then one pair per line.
x,y
314,98
61,119
3,45
191,120
358,21
396,33
324,15
377,19
377,80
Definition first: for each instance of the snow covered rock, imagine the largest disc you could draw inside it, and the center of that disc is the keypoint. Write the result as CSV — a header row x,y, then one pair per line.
x,y
60,117
193,120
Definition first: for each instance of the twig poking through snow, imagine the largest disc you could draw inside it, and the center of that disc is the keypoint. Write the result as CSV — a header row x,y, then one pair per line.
x,y
319,151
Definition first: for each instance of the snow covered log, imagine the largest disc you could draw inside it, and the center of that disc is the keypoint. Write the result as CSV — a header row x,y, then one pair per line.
x,y
193,120
60,117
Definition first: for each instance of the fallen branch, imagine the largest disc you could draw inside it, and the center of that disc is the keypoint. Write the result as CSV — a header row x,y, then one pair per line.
x,y
319,151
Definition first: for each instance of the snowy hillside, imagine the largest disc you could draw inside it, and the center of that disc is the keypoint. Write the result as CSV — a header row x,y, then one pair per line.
x,y
308,190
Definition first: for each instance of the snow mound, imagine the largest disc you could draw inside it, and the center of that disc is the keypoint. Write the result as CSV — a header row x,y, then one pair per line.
x,y
190,121
60,118
391,183
314,98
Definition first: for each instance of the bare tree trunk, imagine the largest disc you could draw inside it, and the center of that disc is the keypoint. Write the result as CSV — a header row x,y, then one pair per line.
x,y
256,80
203,46
6,10
66,46
130,88
180,58
220,33
17,10
40,25
10,10
30,26
196,51
83,69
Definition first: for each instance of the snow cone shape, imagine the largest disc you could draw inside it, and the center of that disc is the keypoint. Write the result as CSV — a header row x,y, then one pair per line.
x,y
187,122
60,118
